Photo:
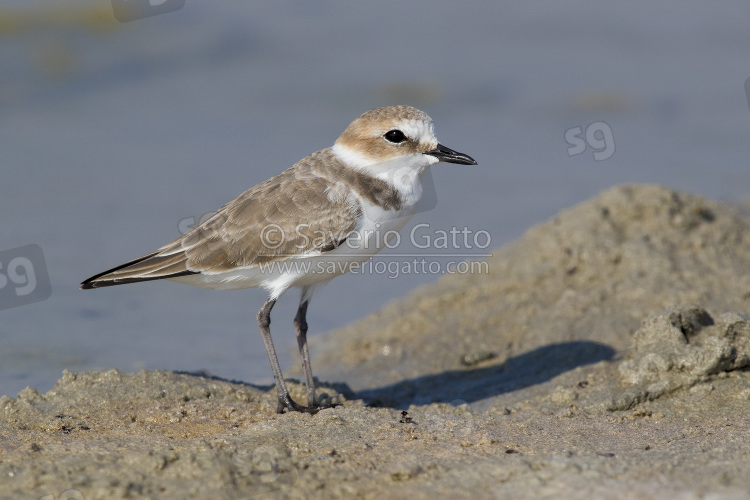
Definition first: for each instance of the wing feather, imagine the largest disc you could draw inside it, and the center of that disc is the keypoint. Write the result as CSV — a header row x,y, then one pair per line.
x,y
304,210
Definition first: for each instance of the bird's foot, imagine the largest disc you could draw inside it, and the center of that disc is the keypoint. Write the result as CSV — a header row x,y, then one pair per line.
x,y
288,403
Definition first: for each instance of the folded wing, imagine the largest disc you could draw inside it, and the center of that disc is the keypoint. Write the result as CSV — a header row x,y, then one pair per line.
x,y
302,211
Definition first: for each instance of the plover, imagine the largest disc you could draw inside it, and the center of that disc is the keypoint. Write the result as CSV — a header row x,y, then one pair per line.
x,y
306,225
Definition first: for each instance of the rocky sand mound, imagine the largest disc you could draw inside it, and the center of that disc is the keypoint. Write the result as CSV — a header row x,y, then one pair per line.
x,y
604,354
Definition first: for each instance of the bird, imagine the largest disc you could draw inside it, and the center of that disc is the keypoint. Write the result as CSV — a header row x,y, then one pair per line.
x,y
305,226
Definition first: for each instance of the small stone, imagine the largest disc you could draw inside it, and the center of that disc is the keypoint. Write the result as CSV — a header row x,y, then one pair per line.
x,y
474,358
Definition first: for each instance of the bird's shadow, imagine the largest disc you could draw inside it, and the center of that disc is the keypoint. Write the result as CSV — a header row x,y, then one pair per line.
x,y
470,385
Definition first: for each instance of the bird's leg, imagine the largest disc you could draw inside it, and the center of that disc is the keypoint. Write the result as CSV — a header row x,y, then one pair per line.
x,y
300,328
285,401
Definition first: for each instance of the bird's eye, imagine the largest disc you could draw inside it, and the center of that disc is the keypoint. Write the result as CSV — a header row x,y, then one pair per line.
x,y
395,136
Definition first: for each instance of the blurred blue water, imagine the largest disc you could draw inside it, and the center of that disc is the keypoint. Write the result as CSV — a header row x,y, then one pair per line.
x,y
114,133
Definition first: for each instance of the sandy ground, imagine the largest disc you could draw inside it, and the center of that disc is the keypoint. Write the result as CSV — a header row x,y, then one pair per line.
x,y
605,353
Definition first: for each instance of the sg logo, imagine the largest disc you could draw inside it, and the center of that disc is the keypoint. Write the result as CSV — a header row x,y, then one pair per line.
x,y
23,277
189,223
598,137
132,10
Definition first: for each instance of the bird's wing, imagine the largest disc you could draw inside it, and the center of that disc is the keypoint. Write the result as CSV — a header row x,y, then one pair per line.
x,y
301,211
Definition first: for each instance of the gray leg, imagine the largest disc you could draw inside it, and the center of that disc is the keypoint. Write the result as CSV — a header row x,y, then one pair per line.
x,y
285,401
300,328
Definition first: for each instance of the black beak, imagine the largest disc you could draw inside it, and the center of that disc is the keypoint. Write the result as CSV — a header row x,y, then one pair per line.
x,y
446,154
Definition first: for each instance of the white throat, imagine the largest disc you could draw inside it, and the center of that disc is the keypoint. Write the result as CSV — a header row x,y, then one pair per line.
x,y
402,173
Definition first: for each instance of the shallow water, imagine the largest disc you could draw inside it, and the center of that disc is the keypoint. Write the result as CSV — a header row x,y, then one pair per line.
x,y
116,136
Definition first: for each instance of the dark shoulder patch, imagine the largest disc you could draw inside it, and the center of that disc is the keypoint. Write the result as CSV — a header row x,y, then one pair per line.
x,y
376,191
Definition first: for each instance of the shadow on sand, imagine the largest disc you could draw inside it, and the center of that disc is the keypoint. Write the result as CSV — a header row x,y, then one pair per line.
x,y
470,385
